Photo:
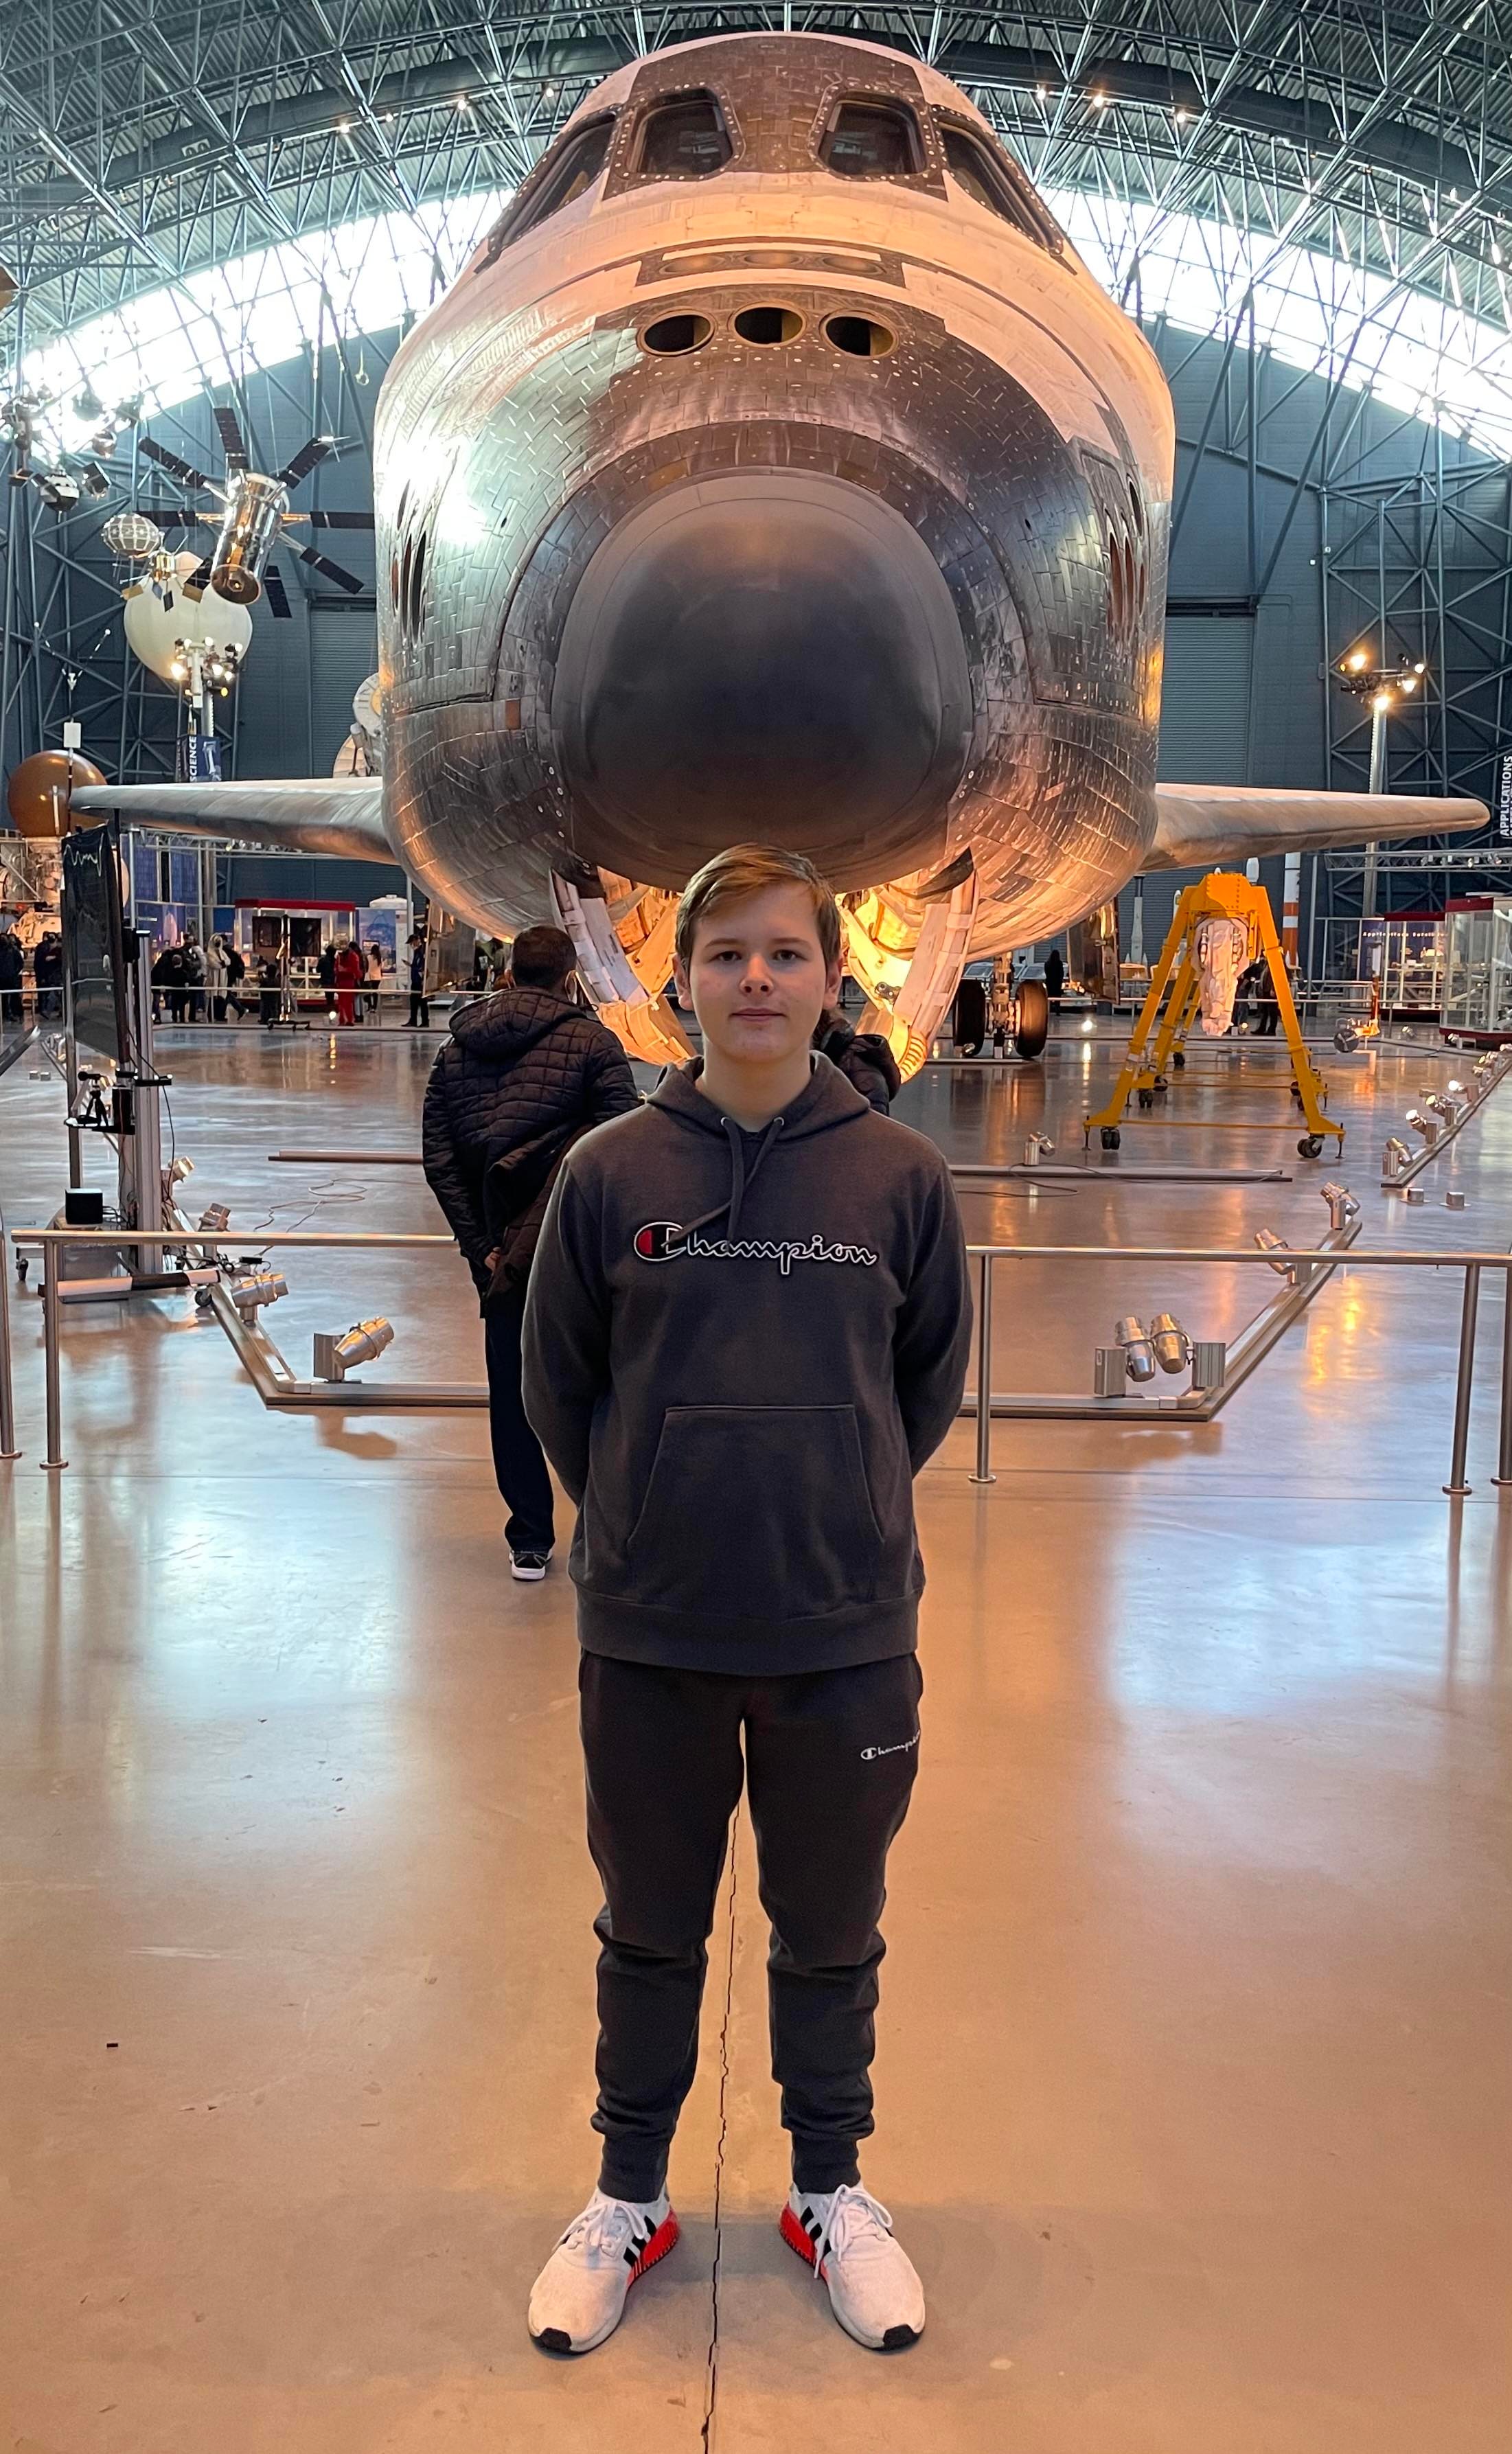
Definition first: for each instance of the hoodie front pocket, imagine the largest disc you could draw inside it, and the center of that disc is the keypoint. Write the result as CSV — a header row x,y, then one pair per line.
x,y
757,1512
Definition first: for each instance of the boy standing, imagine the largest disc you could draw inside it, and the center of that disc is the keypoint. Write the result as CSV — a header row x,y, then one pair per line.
x,y
747,1329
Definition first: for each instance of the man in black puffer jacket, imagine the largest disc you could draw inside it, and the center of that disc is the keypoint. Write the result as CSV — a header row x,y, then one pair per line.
x,y
864,1057
523,1067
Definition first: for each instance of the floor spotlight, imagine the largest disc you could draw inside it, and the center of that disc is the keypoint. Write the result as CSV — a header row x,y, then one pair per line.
x,y
1139,1354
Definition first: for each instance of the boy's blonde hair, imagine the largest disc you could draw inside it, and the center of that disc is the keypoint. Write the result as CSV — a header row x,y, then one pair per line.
x,y
750,869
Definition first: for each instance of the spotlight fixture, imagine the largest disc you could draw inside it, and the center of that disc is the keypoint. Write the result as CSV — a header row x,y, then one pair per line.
x,y
1036,1147
1268,1241
1426,1126
1170,1341
261,1287
363,1343
1394,1157
1138,1355
1341,1205
215,1218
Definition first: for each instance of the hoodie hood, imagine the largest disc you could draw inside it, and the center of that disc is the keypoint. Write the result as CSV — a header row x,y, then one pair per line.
x,y
499,1028
826,1101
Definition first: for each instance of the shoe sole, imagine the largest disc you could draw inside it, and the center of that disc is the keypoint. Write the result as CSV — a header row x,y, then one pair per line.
x,y
553,2339
896,2339
527,1576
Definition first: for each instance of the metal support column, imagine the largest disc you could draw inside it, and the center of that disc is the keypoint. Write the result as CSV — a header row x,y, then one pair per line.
x,y
984,1473
8,1408
1503,1476
55,1459
1457,1486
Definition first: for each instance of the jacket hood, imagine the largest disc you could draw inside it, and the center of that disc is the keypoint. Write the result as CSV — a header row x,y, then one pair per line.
x,y
498,1028
826,1101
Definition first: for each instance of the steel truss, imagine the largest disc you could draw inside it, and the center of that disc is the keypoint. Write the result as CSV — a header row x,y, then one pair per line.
x,y
1421,565
141,142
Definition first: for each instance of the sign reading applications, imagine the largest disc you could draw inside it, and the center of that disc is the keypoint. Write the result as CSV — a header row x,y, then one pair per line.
x,y
663,1241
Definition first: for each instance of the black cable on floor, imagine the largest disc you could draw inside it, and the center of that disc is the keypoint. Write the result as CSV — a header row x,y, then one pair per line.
x,y
711,2375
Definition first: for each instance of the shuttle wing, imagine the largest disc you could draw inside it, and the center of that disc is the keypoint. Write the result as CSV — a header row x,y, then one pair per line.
x,y
339,813
1201,826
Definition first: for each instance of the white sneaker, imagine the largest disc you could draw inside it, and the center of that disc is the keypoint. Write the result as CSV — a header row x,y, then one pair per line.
x,y
580,2292
846,2236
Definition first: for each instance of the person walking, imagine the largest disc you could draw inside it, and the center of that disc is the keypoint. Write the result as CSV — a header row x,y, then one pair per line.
x,y
193,976
326,977
271,990
747,1330
419,1004
349,980
47,971
372,974
215,977
12,964
236,974
524,1071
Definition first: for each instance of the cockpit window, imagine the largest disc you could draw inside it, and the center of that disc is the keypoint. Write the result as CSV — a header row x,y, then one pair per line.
x,y
873,140
578,164
684,137
989,181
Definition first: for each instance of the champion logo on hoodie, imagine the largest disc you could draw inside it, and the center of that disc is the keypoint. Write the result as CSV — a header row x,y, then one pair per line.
x,y
662,1240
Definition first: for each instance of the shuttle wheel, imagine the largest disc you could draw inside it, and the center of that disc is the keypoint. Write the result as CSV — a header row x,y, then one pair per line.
x,y
1311,1146
1031,1024
1111,1138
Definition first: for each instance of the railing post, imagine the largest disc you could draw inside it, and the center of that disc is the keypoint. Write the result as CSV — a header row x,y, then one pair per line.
x,y
1504,1472
8,1406
984,1472
1457,1486
55,1459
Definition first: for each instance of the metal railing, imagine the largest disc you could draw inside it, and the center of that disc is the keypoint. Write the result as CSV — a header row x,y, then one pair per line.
x,y
1309,1268
1312,1264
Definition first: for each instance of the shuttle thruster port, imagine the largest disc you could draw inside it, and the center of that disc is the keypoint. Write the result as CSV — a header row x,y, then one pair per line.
x,y
257,1288
1341,1205
363,1343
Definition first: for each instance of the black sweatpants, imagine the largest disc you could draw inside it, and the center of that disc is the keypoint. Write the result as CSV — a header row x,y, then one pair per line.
x,y
519,1463
829,1760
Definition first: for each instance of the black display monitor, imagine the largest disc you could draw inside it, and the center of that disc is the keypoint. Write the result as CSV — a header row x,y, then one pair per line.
x,y
96,987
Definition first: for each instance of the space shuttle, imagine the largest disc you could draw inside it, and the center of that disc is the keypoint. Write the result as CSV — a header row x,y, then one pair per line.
x,y
776,471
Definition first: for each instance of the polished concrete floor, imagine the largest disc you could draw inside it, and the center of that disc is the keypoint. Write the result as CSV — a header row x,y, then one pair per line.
x,y
1194,2078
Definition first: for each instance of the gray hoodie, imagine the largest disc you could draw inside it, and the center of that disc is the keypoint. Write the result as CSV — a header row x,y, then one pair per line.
x,y
739,1349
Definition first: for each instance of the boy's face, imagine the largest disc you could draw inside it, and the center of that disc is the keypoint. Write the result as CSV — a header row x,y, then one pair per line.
x,y
758,979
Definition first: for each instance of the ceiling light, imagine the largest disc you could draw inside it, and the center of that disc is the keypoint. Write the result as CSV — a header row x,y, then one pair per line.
x,y
1100,102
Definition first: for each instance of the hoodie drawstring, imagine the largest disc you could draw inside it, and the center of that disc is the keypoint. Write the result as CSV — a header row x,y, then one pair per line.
x,y
741,1179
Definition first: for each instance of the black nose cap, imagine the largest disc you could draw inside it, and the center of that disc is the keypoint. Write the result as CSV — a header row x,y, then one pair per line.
x,y
768,655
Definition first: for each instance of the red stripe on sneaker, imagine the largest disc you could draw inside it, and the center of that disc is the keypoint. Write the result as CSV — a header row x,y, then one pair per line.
x,y
793,2234
664,2238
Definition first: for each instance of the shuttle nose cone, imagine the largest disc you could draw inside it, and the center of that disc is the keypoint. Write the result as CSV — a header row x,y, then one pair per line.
x,y
771,655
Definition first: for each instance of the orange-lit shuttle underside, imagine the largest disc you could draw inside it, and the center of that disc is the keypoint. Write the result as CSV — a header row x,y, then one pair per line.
x,y
775,469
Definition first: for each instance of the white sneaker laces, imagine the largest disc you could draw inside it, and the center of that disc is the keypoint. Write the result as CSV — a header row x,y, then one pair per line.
x,y
602,2231
857,2222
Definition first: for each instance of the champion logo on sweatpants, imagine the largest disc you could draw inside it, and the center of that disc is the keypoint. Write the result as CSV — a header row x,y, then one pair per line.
x,y
662,1240
869,1754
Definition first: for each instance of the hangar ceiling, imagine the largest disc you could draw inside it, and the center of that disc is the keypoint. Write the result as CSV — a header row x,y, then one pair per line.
x,y
1211,156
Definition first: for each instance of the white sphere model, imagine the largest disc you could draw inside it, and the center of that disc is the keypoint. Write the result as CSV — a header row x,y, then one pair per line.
x,y
157,620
